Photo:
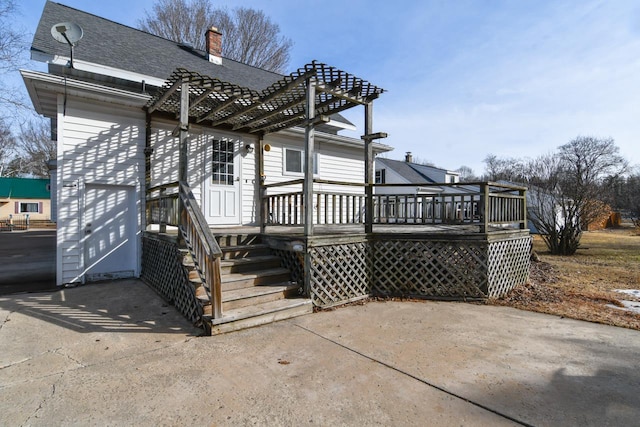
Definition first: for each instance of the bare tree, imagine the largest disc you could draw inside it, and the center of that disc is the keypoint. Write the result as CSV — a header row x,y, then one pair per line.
x,y
504,169
12,44
467,174
565,189
249,35
36,147
7,148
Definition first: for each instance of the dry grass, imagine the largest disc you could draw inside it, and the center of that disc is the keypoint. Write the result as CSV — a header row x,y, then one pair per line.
x,y
581,286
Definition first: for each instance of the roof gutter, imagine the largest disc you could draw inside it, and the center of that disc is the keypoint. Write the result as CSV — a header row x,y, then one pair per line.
x,y
91,67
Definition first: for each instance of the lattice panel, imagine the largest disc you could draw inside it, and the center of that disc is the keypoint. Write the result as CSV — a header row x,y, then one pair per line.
x,y
430,268
163,271
292,261
509,263
340,272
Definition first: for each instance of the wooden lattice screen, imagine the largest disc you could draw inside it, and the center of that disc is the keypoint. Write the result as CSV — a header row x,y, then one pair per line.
x,y
340,273
163,271
428,268
509,263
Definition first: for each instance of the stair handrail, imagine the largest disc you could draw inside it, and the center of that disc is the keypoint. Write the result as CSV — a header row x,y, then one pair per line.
x,y
204,248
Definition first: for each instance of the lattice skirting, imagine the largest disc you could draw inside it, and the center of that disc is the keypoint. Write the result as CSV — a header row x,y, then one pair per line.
x,y
162,270
428,268
339,273
509,263
455,268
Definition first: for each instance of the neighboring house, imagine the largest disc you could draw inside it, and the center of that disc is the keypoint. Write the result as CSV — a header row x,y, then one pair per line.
x,y
111,148
25,197
406,172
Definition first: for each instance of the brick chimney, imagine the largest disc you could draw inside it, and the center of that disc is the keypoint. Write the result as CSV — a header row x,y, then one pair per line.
x,y
214,45
408,157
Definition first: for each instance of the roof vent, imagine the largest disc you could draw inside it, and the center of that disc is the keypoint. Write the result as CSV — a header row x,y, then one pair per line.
x,y
408,157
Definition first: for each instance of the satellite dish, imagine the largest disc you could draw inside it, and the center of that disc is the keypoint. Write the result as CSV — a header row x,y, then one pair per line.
x,y
69,33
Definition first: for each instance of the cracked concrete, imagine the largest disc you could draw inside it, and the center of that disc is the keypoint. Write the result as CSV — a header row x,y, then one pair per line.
x,y
114,353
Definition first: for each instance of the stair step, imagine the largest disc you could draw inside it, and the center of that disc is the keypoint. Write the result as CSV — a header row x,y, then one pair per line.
x,y
244,251
228,240
257,294
243,265
263,277
260,314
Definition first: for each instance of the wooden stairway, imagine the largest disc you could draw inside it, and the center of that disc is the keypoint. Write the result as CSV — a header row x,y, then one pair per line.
x,y
255,289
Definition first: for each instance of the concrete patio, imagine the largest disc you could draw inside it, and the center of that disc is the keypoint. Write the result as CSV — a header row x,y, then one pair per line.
x,y
115,354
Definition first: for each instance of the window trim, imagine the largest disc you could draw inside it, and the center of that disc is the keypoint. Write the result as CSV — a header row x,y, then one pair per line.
x,y
382,174
26,205
316,162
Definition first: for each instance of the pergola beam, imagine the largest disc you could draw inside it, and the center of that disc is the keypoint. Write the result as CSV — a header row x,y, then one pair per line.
x,y
157,104
272,113
275,108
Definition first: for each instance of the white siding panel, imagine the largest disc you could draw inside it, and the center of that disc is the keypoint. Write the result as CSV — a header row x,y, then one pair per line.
x,y
99,144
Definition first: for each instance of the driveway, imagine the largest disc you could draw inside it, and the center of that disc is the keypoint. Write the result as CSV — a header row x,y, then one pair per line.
x,y
27,261
115,354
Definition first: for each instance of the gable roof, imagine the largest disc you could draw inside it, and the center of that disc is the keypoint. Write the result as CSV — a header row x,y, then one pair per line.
x,y
24,188
120,47
405,170
113,48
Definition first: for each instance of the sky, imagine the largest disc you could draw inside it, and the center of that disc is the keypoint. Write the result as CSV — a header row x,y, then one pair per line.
x,y
463,79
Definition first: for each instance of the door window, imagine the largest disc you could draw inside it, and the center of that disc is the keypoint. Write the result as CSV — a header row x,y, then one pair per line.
x,y
222,163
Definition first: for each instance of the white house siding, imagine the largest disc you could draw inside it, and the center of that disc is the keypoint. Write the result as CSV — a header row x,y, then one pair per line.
x,y
392,177
335,163
165,158
97,144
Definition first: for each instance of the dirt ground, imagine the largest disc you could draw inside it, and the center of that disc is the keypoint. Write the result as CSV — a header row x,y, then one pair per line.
x,y
583,286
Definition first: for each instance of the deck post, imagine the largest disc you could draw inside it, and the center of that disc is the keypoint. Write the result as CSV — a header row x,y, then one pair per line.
x,y
307,187
184,130
262,208
309,134
368,167
484,190
184,137
524,225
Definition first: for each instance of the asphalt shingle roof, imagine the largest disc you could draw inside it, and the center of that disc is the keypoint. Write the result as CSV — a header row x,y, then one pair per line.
x,y
405,170
119,46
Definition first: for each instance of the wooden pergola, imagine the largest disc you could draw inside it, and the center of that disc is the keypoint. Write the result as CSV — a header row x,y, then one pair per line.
x,y
306,97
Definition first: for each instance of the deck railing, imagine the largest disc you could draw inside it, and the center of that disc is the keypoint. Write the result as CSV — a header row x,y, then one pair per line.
x,y
173,204
462,204
162,206
203,247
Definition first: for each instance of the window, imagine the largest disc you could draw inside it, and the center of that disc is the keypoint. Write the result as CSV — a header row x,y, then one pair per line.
x,y
222,163
294,161
29,208
381,176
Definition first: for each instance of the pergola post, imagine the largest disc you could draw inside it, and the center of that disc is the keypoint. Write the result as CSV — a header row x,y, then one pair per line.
x,y
368,167
309,134
263,213
184,131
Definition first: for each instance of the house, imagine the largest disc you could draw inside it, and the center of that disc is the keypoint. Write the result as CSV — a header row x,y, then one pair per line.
x,y
229,188
390,171
97,107
24,198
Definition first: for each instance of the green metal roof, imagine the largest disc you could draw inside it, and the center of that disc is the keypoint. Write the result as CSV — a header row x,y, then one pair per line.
x,y
24,188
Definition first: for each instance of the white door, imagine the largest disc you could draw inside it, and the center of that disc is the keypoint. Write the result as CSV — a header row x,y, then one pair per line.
x,y
109,227
222,183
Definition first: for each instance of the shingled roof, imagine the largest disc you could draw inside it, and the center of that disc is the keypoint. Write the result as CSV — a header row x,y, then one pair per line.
x,y
121,47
